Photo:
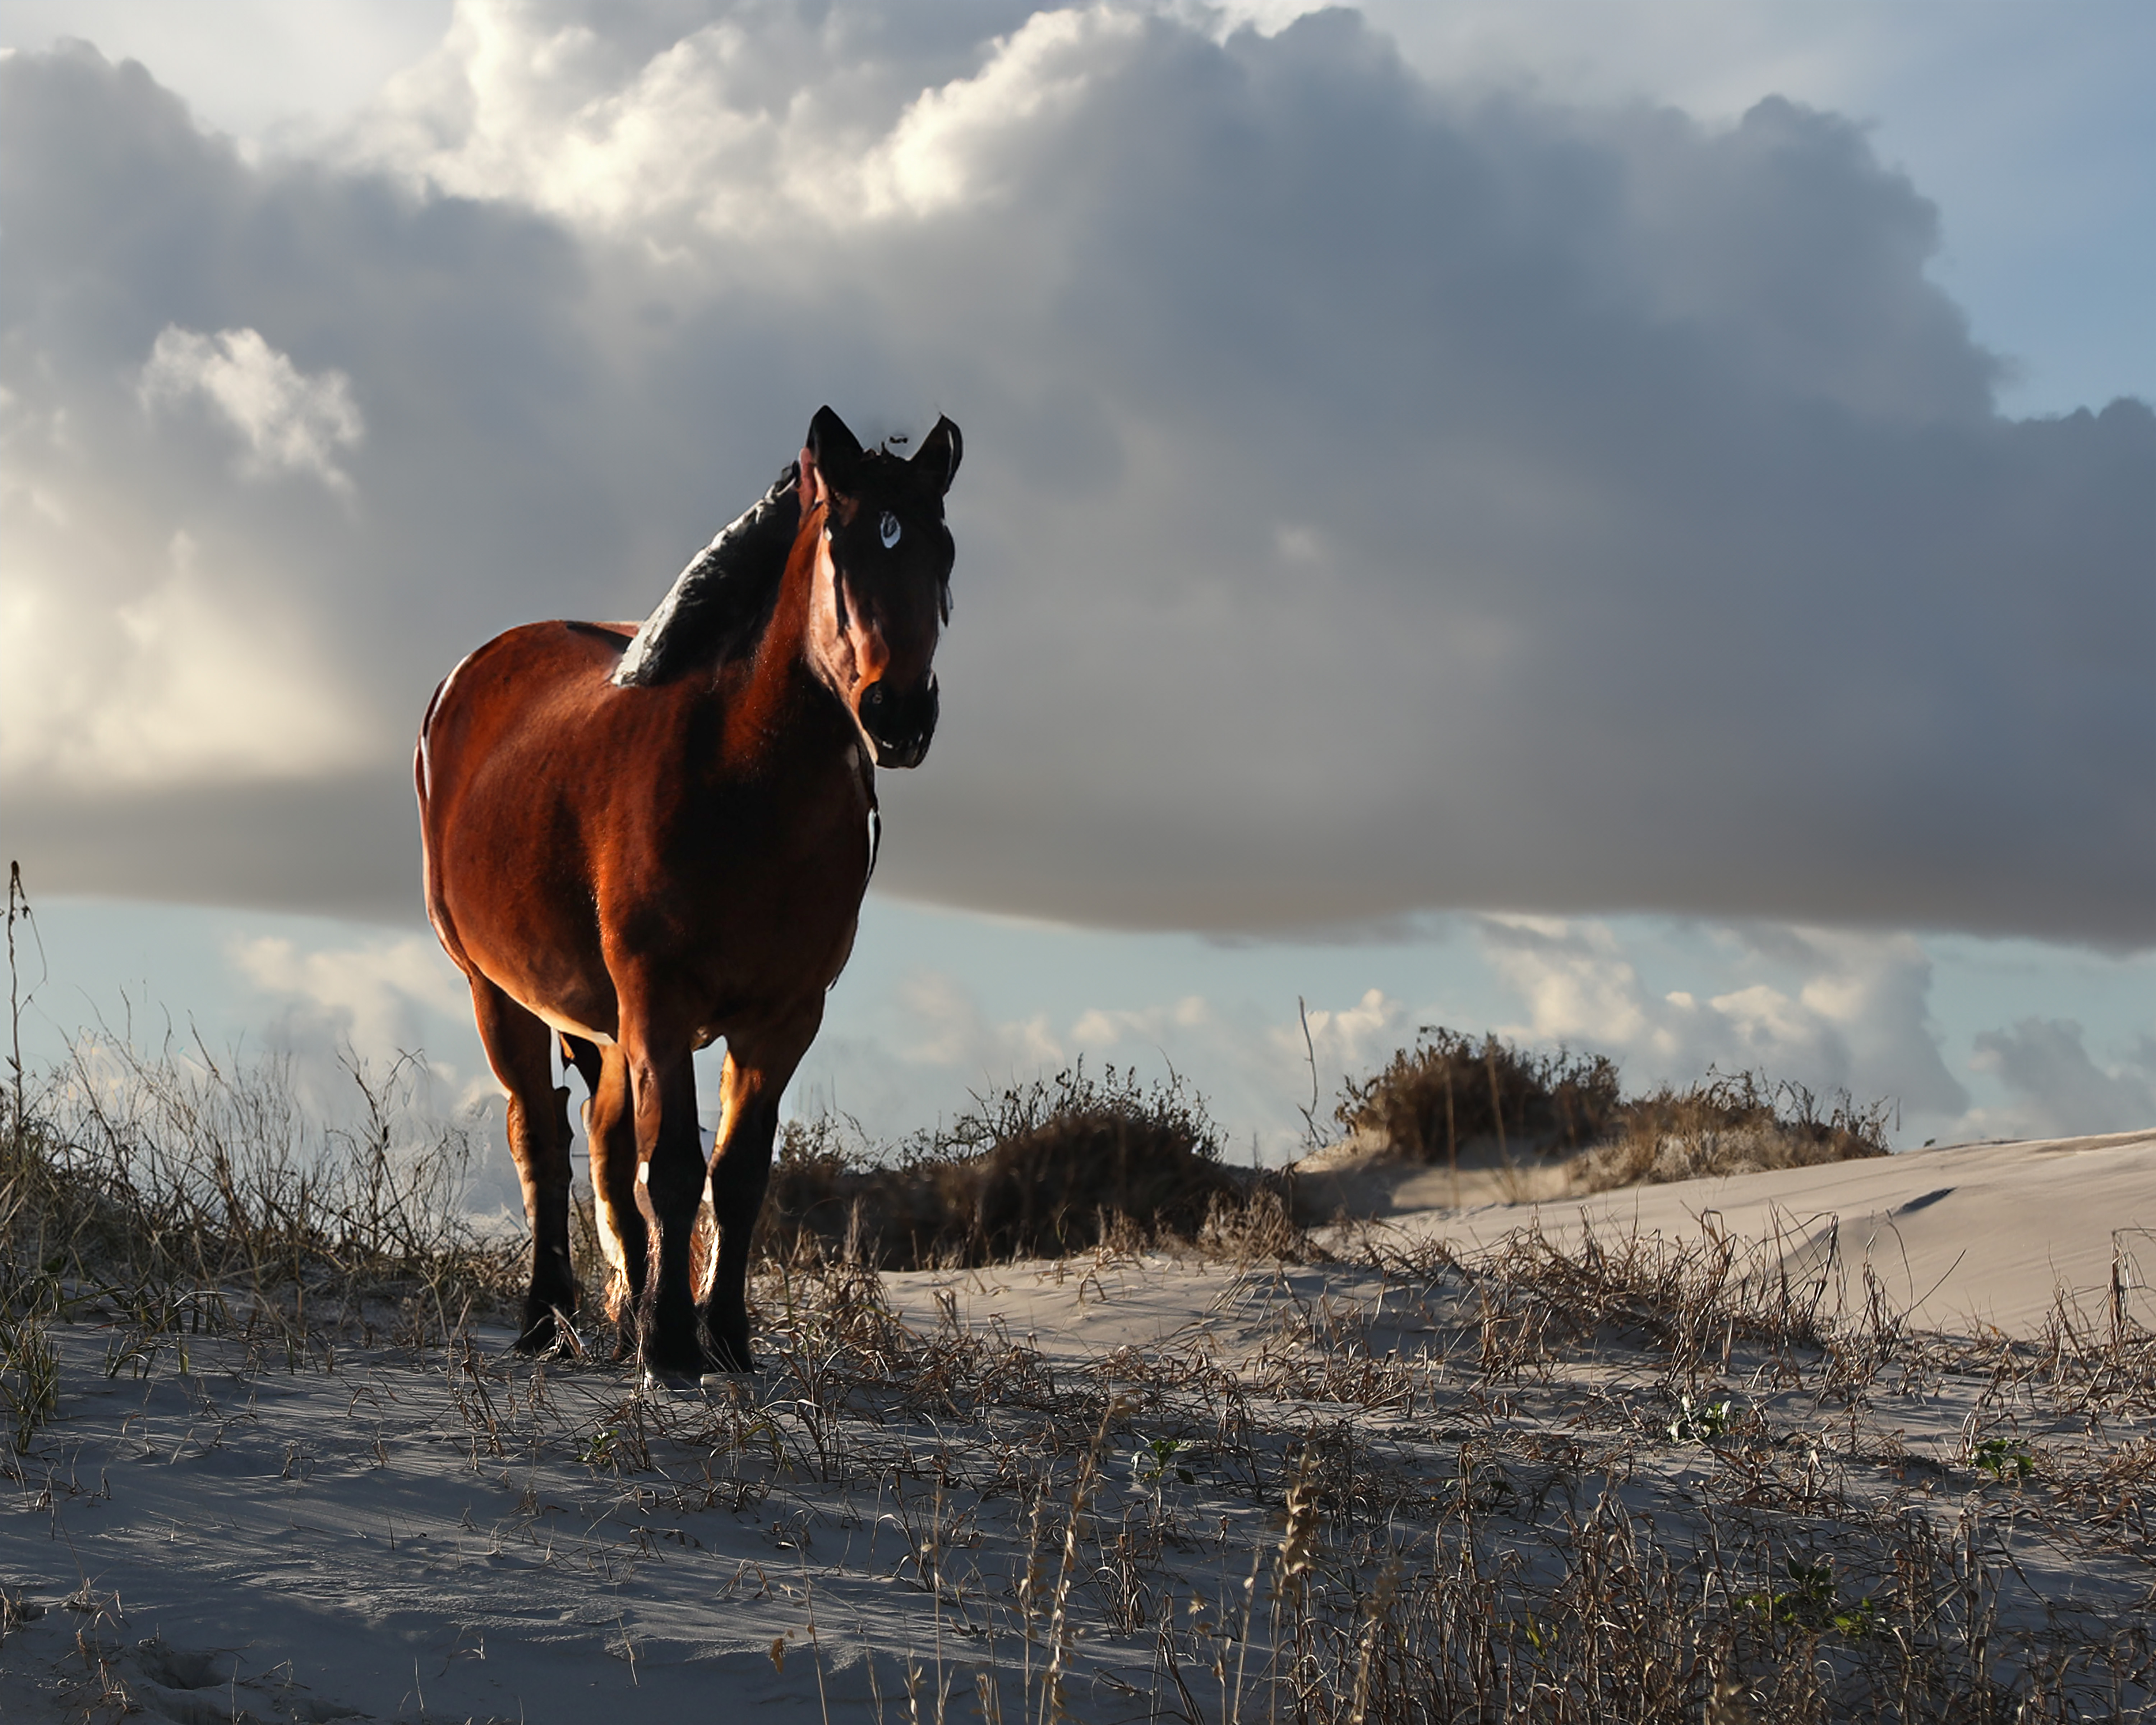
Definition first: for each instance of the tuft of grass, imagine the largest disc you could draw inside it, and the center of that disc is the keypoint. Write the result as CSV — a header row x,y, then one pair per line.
x,y
184,1192
29,1370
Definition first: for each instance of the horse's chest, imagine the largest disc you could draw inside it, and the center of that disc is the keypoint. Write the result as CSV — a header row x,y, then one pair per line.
x,y
782,888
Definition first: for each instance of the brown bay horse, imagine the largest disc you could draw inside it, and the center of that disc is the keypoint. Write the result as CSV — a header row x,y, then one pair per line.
x,y
642,864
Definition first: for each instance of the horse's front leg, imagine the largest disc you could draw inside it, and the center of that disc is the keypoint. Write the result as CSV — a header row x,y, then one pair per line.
x,y
759,1066
662,1079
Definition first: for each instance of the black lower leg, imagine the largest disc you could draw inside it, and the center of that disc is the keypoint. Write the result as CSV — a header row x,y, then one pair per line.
x,y
635,1273
551,1300
737,1199
551,1296
672,1190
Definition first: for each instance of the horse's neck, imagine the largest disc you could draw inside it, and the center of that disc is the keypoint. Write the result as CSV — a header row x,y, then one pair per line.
x,y
783,667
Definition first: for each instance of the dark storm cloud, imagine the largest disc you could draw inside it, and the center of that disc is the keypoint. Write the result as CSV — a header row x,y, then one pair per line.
x,y
339,841
1375,500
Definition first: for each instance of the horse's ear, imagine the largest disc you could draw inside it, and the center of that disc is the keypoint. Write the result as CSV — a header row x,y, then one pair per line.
x,y
937,460
834,452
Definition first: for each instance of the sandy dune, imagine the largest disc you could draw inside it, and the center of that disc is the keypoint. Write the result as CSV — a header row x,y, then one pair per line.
x,y
1962,1236
224,1531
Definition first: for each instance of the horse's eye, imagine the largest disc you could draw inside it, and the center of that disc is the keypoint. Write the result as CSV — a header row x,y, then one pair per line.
x,y
887,529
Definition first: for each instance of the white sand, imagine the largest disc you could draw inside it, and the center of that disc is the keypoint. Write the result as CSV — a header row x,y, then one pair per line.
x,y
239,1540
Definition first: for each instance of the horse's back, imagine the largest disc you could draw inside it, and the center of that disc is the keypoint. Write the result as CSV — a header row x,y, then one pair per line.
x,y
530,682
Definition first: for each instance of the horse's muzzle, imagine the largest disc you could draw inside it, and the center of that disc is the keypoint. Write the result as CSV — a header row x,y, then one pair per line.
x,y
901,726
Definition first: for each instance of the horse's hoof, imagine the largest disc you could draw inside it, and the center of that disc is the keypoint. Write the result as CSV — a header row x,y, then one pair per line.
x,y
658,1380
549,1332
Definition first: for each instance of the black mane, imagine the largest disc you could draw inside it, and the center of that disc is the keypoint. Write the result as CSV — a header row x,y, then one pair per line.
x,y
717,604
721,596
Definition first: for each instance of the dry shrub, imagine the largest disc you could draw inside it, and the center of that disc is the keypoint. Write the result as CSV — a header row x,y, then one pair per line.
x,y
1257,1223
1728,1125
1450,1091
1037,1171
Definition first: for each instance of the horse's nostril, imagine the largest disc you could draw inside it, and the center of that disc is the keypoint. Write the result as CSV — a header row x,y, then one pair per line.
x,y
901,724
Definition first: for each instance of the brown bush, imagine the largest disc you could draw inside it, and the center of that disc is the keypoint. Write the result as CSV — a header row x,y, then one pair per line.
x,y
1728,1125
1451,1090
1038,1171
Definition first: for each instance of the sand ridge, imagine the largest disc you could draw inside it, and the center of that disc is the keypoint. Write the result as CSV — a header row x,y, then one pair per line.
x,y
1964,1237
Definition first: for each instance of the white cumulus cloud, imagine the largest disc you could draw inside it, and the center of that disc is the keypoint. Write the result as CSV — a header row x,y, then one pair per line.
x,y
2056,1088
370,994
1845,1010
1100,1028
1343,1040
168,675
288,421
947,1027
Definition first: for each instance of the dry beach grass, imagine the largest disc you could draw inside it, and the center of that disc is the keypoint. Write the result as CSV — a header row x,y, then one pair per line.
x,y
268,1456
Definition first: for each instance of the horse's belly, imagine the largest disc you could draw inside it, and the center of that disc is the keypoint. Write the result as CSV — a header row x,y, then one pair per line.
x,y
556,1019
768,972
579,999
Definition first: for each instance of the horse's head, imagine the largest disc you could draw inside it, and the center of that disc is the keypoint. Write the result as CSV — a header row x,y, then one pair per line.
x,y
883,578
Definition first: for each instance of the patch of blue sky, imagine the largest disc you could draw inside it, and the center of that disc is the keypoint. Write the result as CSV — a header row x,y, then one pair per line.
x,y
938,1004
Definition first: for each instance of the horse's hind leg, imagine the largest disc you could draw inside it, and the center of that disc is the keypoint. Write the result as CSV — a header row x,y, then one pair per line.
x,y
610,1131
520,1048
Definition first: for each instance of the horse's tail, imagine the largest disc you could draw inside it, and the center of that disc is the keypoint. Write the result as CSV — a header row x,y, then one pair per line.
x,y
420,786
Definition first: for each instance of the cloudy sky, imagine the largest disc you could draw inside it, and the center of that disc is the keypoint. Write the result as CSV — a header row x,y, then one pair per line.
x,y
1628,522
